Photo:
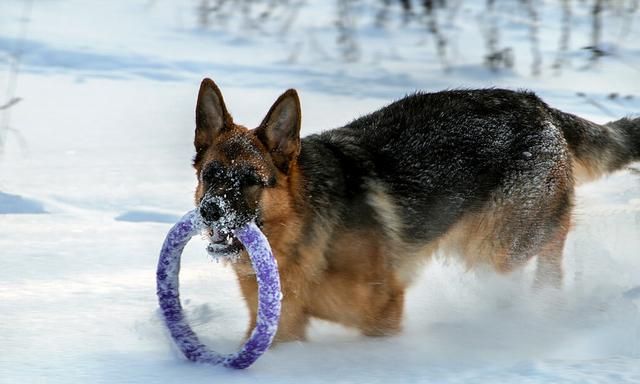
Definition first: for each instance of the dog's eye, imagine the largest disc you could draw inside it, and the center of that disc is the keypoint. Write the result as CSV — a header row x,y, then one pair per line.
x,y
251,179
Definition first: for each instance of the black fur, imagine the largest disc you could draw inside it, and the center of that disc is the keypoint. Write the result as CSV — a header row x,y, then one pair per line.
x,y
441,155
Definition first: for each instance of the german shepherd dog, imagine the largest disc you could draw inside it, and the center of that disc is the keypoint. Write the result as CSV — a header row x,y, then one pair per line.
x,y
352,212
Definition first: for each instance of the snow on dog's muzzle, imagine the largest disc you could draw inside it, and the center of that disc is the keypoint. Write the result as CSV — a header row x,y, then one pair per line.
x,y
221,219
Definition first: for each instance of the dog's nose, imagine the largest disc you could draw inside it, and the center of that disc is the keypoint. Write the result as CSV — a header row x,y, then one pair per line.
x,y
210,211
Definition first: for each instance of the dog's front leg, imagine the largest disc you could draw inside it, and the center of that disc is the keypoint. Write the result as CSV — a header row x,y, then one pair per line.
x,y
294,318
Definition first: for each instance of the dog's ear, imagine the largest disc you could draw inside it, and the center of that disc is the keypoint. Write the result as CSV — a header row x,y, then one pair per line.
x,y
280,130
212,117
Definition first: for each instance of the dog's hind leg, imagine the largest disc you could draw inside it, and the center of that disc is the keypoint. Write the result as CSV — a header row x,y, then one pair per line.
x,y
549,271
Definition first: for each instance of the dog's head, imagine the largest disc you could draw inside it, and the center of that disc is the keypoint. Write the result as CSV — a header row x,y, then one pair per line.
x,y
236,165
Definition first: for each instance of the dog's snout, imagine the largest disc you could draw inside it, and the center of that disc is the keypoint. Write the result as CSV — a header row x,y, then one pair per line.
x,y
210,211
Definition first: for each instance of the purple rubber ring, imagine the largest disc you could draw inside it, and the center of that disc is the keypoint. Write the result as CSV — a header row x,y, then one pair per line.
x,y
269,294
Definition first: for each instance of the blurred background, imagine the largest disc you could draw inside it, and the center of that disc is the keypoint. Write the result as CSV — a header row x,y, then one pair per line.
x,y
364,48
360,47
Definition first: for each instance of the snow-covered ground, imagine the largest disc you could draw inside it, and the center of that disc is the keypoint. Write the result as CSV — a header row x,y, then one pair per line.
x,y
98,166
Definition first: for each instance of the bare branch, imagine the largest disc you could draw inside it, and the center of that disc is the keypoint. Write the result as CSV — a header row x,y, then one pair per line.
x,y
10,103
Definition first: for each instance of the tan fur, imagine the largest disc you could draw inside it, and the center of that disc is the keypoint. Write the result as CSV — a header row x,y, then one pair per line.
x,y
345,278
585,171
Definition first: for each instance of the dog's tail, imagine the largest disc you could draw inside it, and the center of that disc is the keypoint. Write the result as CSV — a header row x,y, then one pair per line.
x,y
599,149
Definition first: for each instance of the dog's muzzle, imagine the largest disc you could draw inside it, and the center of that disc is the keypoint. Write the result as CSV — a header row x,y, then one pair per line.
x,y
221,219
223,245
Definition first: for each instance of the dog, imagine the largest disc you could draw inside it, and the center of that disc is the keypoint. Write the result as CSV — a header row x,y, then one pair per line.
x,y
352,213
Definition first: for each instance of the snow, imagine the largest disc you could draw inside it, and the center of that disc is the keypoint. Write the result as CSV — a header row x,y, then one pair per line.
x,y
102,141
17,204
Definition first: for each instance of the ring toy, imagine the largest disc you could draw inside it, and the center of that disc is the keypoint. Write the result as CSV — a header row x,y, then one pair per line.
x,y
269,294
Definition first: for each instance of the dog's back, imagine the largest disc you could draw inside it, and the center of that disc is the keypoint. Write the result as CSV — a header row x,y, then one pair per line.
x,y
489,173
